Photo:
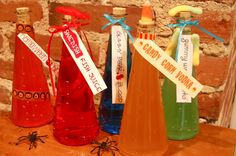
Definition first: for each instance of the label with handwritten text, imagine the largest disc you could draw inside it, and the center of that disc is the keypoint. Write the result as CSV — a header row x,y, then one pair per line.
x,y
38,51
185,60
165,64
82,59
119,64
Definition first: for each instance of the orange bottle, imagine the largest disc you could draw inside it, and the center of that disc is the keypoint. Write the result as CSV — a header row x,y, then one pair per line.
x,y
143,131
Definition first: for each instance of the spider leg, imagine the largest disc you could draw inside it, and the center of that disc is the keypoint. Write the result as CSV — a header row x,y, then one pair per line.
x,y
111,142
20,140
35,144
99,151
25,137
94,149
107,140
43,136
40,140
95,142
30,145
114,148
113,153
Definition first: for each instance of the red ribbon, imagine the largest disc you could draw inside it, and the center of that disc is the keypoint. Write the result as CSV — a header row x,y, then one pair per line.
x,y
67,25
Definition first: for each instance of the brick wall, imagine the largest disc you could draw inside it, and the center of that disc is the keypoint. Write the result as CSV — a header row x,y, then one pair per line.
x,y
214,72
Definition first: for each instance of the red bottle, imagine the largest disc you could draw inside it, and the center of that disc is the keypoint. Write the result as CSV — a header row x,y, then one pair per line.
x,y
31,105
75,121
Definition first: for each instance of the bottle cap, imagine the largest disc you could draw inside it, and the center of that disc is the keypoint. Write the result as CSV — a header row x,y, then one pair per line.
x,y
22,10
185,15
184,8
147,17
67,18
119,11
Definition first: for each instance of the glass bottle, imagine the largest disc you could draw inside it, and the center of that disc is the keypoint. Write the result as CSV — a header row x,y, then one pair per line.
x,y
31,105
110,114
75,121
182,119
143,131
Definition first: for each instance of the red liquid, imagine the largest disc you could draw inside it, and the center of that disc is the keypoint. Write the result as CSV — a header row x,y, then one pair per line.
x,y
31,105
75,121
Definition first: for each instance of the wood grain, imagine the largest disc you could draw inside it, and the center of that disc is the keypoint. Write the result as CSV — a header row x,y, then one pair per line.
x,y
211,141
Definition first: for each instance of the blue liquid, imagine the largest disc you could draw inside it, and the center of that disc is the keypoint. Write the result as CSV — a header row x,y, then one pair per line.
x,y
110,115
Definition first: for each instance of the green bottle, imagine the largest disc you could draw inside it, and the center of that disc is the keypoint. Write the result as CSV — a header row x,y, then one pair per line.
x,y
182,119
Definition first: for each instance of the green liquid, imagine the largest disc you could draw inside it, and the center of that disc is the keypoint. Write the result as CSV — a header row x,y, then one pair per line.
x,y
182,120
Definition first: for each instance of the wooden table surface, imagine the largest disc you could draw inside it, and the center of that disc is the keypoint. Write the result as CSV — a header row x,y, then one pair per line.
x,y
211,141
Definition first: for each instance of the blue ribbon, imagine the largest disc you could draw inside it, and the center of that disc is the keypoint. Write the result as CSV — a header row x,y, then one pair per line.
x,y
121,22
183,24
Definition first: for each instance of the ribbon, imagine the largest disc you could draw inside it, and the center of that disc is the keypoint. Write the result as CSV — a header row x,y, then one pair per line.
x,y
119,21
183,24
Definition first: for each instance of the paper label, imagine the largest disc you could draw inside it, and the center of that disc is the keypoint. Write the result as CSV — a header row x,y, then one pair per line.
x,y
185,60
82,59
165,64
38,51
119,64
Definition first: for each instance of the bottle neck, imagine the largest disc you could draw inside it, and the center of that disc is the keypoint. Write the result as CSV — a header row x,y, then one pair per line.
x,y
146,32
186,16
116,17
23,19
187,30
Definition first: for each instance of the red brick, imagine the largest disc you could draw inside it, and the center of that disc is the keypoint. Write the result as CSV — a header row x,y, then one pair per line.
x,y
1,41
56,44
209,105
6,70
218,1
212,70
96,12
217,22
4,95
8,9
95,49
12,42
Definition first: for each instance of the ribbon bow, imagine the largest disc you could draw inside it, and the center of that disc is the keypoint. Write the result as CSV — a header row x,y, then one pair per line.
x,y
183,24
121,22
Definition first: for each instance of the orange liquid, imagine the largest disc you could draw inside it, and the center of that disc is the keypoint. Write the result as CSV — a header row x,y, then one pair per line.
x,y
143,131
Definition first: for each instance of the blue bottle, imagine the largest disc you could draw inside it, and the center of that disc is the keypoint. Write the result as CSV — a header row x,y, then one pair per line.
x,y
110,114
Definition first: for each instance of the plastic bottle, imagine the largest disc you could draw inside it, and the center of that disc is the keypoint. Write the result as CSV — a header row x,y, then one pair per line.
x,y
75,121
143,131
31,105
110,114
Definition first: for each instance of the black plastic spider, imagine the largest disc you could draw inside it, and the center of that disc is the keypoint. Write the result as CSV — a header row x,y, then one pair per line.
x,y
105,146
209,120
32,138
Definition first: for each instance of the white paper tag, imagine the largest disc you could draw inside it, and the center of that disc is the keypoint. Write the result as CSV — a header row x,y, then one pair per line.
x,y
165,64
82,59
119,65
38,51
185,60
